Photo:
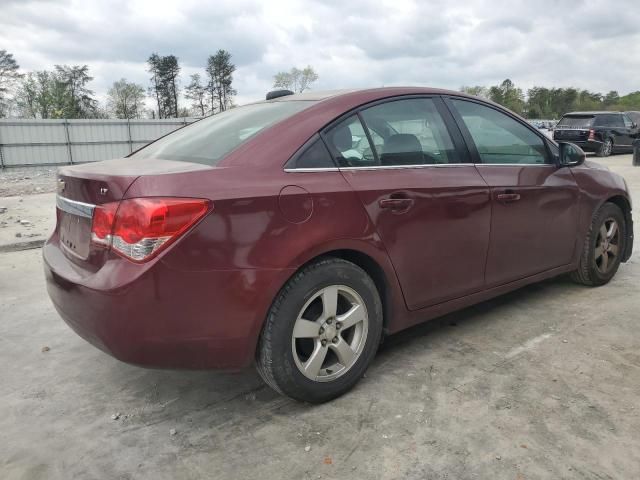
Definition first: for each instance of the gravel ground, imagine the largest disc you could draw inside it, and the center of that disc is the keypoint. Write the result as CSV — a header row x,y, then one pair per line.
x,y
542,383
27,180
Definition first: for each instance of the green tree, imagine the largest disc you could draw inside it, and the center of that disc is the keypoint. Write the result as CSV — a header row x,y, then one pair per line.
x,y
125,99
295,79
79,101
220,79
508,95
8,76
164,83
611,98
42,94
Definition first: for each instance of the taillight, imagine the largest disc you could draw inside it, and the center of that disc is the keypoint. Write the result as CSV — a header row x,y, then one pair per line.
x,y
139,228
592,134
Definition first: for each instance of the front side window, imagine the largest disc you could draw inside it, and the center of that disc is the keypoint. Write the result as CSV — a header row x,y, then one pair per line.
x,y
499,138
627,121
210,139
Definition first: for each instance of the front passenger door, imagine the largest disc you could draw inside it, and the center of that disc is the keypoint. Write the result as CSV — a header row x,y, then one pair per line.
x,y
535,203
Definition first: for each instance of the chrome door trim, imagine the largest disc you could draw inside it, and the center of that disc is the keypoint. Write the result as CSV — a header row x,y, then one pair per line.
x,y
74,207
378,167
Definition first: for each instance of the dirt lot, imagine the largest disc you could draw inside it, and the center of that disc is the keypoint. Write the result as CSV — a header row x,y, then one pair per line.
x,y
540,384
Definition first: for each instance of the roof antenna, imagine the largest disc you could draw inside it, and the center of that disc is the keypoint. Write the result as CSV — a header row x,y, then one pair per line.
x,y
278,93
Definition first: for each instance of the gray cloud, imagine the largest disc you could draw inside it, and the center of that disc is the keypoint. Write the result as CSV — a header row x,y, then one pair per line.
x,y
350,43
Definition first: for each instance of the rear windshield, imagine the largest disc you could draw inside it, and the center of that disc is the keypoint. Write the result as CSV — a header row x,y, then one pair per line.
x,y
210,139
576,121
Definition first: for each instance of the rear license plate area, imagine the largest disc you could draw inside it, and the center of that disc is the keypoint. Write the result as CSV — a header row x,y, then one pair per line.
x,y
75,234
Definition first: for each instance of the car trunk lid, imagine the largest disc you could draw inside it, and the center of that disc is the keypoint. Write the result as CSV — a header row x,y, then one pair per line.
x,y
82,187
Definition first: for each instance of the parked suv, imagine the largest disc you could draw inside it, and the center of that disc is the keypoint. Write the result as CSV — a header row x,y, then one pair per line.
x,y
601,132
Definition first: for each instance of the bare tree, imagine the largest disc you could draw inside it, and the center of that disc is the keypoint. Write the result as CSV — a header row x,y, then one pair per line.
x,y
295,79
125,99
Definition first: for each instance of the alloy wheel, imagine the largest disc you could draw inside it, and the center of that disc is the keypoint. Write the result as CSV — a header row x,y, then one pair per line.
x,y
607,147
607,245
330,333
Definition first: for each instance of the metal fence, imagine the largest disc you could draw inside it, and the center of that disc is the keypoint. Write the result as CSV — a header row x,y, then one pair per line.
x,y
60,142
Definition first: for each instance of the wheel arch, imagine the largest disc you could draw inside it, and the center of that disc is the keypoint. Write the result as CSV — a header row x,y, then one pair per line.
x,y
371,268
625,205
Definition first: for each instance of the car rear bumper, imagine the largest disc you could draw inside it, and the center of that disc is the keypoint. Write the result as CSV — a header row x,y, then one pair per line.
x,y
586,145
164,318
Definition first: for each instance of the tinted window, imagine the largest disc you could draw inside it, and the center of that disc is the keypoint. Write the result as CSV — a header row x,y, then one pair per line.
x,y
209,140
499,138
412,133
634,116
314,156
404,132
609,120
627,121
350,145
576,121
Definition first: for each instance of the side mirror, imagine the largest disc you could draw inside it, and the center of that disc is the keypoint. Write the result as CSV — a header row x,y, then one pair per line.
x,y
571,155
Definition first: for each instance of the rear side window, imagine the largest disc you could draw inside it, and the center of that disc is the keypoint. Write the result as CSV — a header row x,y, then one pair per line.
x,y
576,121
314,156
407,132
499,138
609,120
210,139
412,133
349,144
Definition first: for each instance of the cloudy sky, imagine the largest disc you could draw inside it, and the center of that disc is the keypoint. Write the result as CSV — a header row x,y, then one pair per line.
x,y
350,43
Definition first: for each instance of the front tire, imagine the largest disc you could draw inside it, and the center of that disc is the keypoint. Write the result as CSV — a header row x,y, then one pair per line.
x,y
321,332
603,247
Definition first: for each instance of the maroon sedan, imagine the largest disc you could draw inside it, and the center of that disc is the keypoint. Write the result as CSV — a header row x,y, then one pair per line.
x,y
296,232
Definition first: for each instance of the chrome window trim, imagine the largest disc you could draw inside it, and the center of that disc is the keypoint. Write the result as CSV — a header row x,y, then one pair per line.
x,y
376,167
517,164
311,170
395,167
74,207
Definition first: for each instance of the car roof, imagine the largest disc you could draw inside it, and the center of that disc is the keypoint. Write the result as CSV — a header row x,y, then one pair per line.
x,y
372,93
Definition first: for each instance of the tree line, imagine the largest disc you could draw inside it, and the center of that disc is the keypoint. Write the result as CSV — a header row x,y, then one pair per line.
x,y
552,103
64,91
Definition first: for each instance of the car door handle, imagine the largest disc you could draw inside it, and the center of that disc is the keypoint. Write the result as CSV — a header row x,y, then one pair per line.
x,y
396,204
508,197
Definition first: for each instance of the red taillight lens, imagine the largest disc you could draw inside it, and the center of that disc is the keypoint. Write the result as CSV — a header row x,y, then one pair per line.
x,y
592,134
103,217
139,228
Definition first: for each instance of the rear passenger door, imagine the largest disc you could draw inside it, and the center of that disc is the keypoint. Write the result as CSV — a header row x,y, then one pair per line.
x,y
535,203
430,206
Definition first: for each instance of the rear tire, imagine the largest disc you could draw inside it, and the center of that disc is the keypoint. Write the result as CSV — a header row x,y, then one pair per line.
x,y
322,331
606,148
603,247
